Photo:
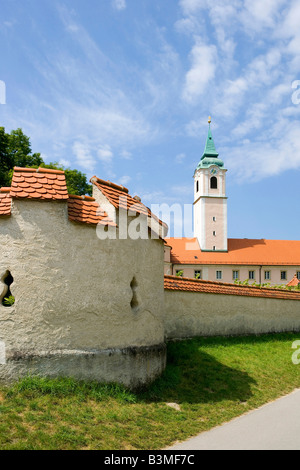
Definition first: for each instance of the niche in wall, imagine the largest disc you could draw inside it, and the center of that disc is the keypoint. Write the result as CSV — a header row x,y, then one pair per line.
x,y
7,299
134,300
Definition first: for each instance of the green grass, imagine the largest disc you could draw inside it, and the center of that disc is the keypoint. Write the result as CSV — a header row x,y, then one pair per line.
x,y
211,379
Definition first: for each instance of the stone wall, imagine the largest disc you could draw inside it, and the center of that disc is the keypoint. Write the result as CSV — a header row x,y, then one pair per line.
x,y
84,306
189,314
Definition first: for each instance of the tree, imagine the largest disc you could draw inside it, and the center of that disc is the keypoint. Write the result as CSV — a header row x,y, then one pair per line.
x,y
19,149
6,162
15,150
76,181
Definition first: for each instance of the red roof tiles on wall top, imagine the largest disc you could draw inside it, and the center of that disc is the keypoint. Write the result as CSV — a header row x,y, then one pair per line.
x,y
50,185
5,202
38,170
240,252
86,210
118,196
118,187
41,184
210,287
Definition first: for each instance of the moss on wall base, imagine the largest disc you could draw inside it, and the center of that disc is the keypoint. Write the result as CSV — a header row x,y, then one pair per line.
x,y
133,367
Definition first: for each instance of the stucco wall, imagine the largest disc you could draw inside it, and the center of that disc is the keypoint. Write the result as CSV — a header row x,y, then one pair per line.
x,y
73,293
189,314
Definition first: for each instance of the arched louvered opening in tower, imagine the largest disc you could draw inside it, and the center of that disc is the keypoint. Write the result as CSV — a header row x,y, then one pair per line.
x,y
213,183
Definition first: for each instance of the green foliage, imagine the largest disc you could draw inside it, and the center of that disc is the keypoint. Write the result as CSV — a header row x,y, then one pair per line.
x,y
9,301
19,148
179,273
6,161
15,150
33,386
76,181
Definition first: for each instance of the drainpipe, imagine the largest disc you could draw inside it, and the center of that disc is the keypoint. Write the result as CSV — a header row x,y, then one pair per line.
x,y
260,268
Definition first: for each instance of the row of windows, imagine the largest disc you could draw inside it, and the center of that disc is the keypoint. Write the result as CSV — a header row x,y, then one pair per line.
x,y
236,275
213,183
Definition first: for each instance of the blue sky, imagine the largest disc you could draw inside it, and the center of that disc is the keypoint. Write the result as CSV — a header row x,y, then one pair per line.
x,y
123,89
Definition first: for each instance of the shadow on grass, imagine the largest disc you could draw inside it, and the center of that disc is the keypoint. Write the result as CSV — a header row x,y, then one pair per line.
x,y
193,376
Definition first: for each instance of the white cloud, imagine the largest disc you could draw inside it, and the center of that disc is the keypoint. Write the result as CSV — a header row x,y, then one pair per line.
x,y
105,154
182,190
202,71
194,128
119,4
83,156
257,15
185,25
180,158
64,162
192,6
124,180
290,29
126,155
272,153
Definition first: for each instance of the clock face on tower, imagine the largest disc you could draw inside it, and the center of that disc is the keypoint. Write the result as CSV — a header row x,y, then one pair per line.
x,y
214,171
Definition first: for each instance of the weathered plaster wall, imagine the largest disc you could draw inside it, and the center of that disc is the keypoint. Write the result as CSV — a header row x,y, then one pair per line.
x,y
73,298
189,314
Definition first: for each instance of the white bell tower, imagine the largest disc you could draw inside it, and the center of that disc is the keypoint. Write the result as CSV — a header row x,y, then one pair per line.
x,y
210,201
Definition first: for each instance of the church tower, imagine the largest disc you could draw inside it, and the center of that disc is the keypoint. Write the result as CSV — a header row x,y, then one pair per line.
x,y
210,201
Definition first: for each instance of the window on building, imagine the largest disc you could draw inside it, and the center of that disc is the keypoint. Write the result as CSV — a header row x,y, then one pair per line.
x,y
298,275
213,183
214,219
179,272
235,275
197,186
218,275
214,248
267,275
198,274
283,275
252,275
214,233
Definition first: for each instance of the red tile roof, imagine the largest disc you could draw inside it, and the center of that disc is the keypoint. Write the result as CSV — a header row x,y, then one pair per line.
x,y
294,282
50,185
5,202
173,283
42,184
240,252
84,209
118,196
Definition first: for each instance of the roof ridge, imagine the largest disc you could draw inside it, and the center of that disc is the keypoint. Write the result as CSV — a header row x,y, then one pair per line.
x,y
204,281
38,170
95,179
83,197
